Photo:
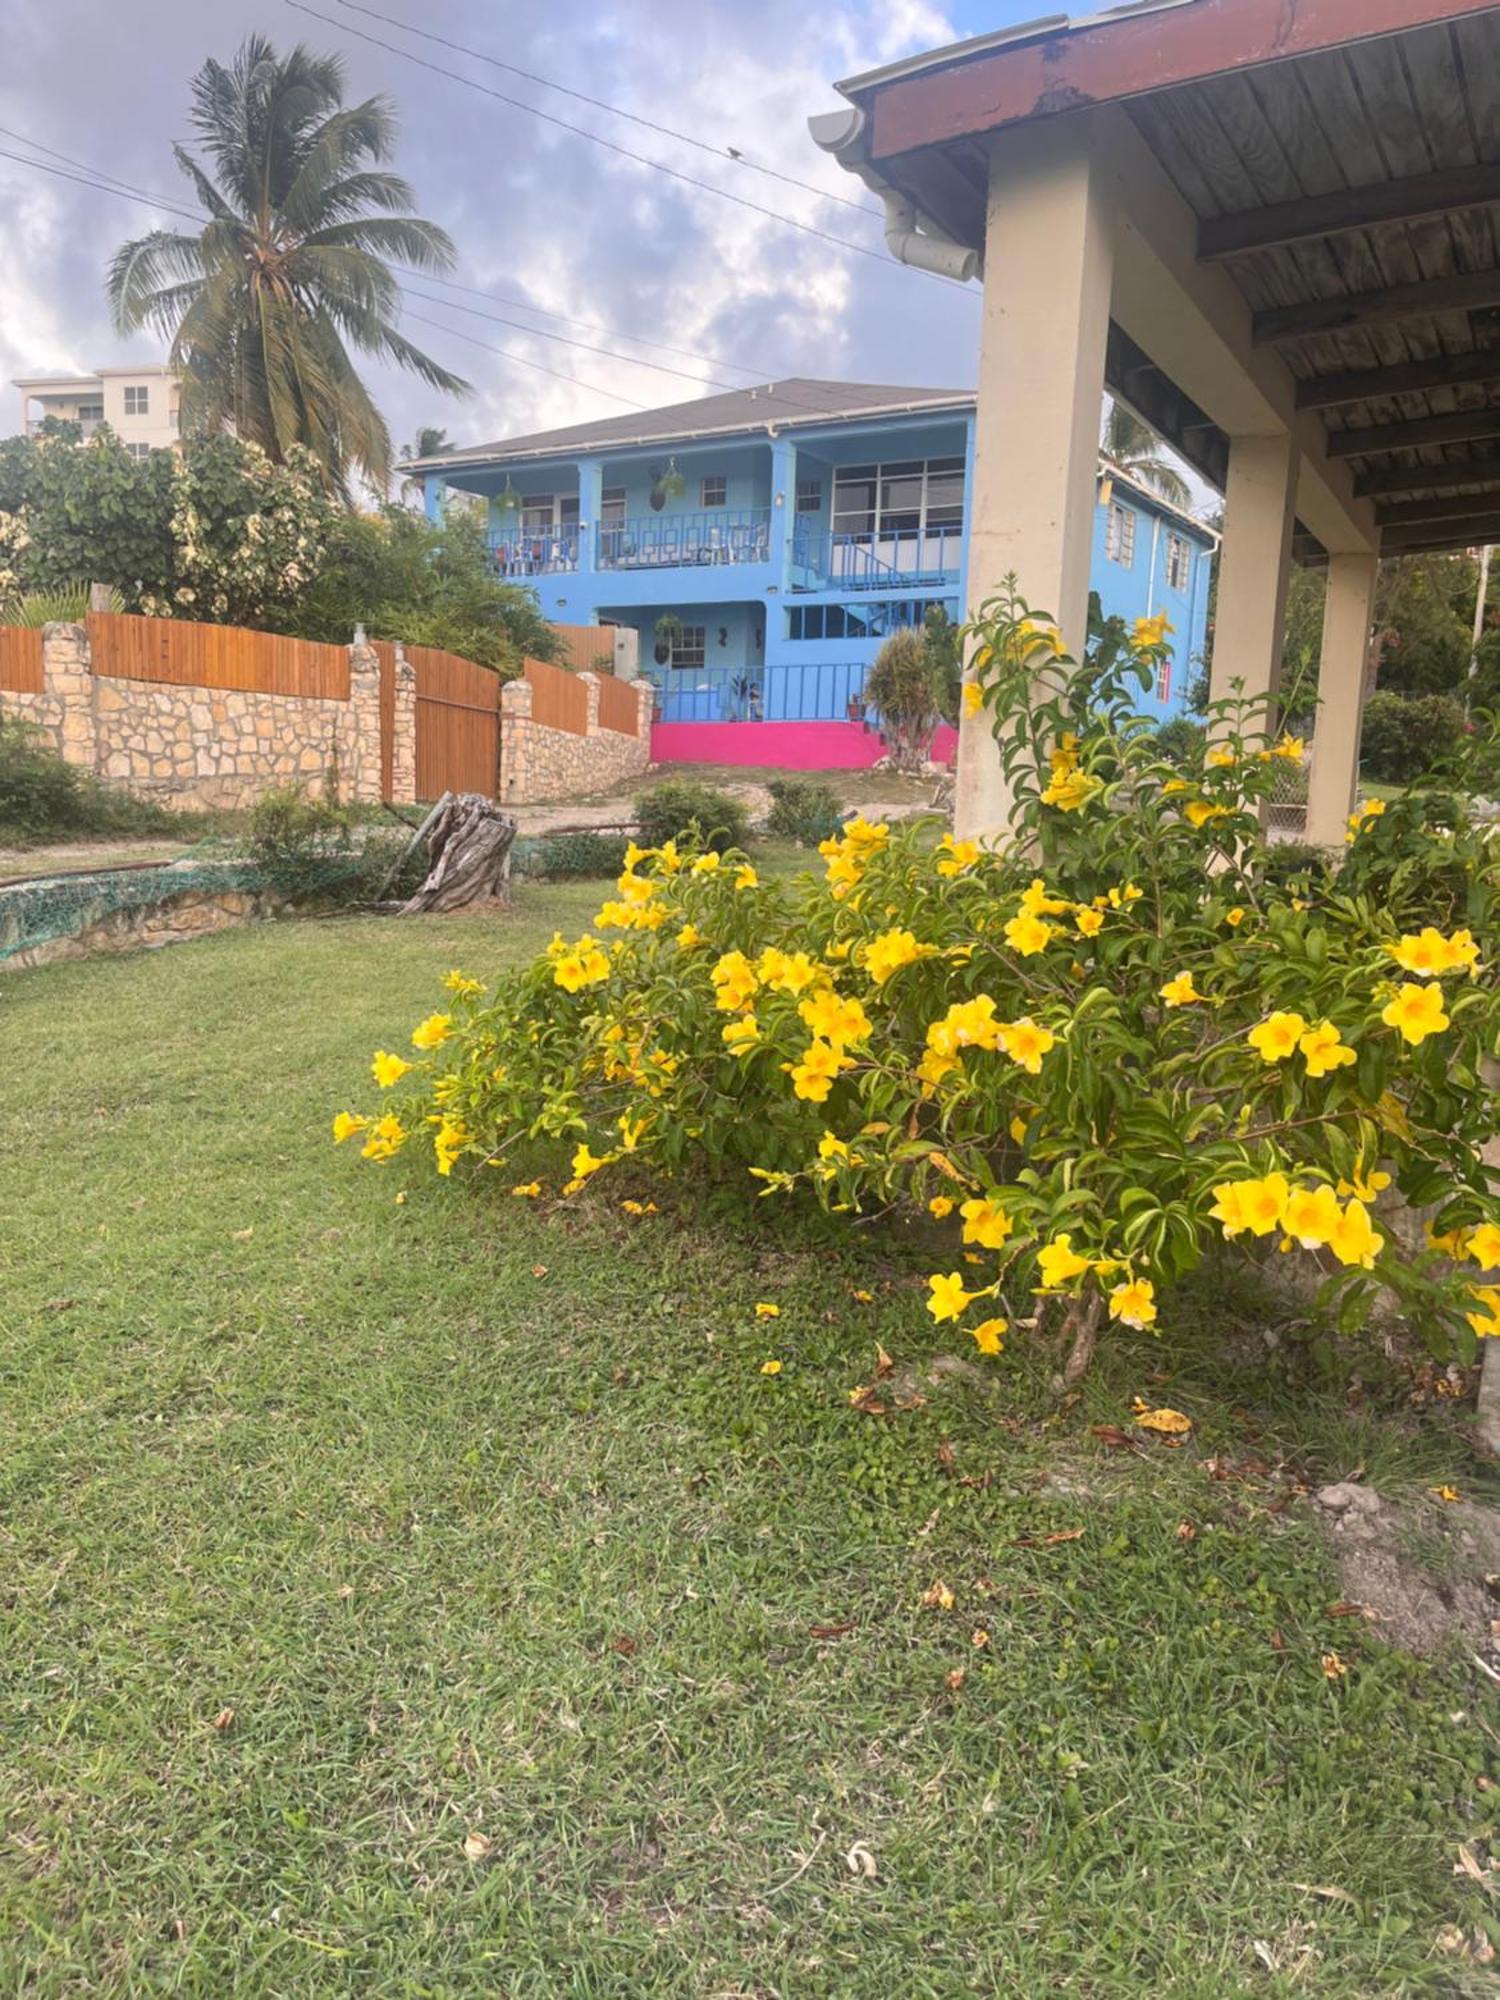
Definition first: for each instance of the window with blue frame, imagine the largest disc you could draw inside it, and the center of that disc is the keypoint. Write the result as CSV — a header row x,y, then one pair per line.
x,y
809,496
863,621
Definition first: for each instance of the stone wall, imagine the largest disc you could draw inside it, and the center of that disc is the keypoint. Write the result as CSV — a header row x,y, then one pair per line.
x,y
194,914
197,748
538,763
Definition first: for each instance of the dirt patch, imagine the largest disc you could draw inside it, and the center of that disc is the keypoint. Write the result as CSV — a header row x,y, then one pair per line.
x,y
1426,1575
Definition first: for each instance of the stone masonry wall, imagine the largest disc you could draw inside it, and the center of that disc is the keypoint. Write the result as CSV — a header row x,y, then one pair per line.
x,y
538,763
195,748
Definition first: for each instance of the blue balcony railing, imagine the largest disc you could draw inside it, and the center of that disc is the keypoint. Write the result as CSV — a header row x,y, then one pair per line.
x,y
521,554
894,559
817,691
688,541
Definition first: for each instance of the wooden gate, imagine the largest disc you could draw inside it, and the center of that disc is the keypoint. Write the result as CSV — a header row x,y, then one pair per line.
x,y
457,722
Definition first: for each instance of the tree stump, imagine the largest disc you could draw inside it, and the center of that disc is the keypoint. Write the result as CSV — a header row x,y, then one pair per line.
x,y
469,839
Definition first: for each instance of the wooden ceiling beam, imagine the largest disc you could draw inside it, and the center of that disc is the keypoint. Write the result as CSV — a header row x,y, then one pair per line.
x,y
1479,471
1467,292
1460,428
1280,223
1472,532
1402,378
1452,507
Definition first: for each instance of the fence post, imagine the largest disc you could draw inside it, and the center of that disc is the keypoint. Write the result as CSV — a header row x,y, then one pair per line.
x,y
591,714
515,735
360,751
645,701
67,699
627,652
404,732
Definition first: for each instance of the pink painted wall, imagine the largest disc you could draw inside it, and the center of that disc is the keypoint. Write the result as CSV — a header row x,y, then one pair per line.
x,y
780,746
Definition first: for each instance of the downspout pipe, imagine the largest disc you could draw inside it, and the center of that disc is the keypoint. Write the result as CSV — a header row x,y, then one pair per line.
x,y
842,133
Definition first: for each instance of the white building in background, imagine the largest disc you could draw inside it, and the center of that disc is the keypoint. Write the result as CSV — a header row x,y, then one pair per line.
x,y
140,405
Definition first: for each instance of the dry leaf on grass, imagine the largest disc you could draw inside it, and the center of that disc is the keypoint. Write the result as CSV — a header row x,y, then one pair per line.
x,y
477,1845
860,1861
866,1399
1164,1422
224,1720
1186,1532
937,1597
955,1680
1113,1438
831,1631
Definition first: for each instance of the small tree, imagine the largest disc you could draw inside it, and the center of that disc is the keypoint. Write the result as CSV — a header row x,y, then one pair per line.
x,y
903,687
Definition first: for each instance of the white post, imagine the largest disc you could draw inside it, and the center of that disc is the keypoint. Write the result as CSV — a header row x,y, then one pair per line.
x,y
1341,691
1254,564
1484,591
1049,264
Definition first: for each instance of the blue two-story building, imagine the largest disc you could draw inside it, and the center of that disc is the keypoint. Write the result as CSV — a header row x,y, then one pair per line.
x,y
765,542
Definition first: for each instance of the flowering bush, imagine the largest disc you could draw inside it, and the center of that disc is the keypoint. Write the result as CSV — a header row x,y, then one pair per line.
x,y
1096,1053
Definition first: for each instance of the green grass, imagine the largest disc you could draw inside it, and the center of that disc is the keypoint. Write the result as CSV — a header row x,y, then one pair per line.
x,y
482,1519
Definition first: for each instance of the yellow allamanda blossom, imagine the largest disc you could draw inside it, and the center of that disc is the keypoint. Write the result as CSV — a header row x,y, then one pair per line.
x,y
1324,1049
1429,953
1484,1247
1487,1323
1311,1216
1361,817
1255,1204
527,1190
1027,935
745,877
942,1206
822,1063
1365,1185
1180,991
459,984
345,1125
887,953
386,1138
586,1163
967,1024
689,936
388,1069
1025,1042
986,1224
734,980
1089,922
448,1142
787,972
1072,792
1148,633
1220,758
1278,1037
832,1148
1058,1263
1134,1302
973,697
1199,813
1234,918
1415,1012
706,864
1038,901
834,1019
584,964
947,1298
433,1032
989,1335
742,1034
955,856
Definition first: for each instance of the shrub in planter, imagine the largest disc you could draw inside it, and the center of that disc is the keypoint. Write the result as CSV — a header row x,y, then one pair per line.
x,y
803,810
683,809
1096,1054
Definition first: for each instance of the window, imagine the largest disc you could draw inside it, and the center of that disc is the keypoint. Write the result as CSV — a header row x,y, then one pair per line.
x,y
809,496
906,497
1164,681
1179,562
536,513
713,490
137,401
91,413
689,649
139,450
612,507
856,621
1119,536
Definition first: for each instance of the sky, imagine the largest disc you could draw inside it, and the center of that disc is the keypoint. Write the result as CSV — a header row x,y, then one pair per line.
x,y
545,221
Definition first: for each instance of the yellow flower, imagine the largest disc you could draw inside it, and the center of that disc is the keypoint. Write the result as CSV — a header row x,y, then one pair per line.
x,y
1027,935
735,981
585,1163
967,1024
1072,791
1256,1205
1292,748
957,855
947,1298
741,1034
832,1147
1487,1323
636,888
460,984
1429,952
887,954
1484,1246
973,698
1235,917
745,877
787,972
814,1076
688,936
387,1069
1371,809
1198,812
667,856
433,1032
833,1019
985,1223
989,1335
584,965
346,1125
770,1368
1180,991
1452,1242
1037,902
1059,1262
765,1310
942,1206
1018,1130
639,1207
448,1142
1221,758
1447,1494
1026,1043
1148,633
386,1138
706,864
1366,1186
1277,1037
1089,922
1311,1217
527,1190
1133,1303
863,838
1356,1240
1324,1049
1416,1012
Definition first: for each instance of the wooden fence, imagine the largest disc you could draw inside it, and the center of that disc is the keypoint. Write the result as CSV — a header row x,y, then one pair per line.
x,y
216,656
618,706
559,700
21,659
587,649
458,724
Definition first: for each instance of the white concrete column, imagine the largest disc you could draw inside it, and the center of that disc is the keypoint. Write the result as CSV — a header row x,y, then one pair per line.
x,y
1347,611
1254,564
1049,268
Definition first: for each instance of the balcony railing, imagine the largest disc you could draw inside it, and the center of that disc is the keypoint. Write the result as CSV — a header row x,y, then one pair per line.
x,y
817,691
895,559
688,541
522,554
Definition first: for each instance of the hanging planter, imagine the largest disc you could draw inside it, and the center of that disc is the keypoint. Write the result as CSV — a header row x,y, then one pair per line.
x,y
508,502
668,633
667,483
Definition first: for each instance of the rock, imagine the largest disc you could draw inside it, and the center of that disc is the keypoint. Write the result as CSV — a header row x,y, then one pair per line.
x,y
1348,1499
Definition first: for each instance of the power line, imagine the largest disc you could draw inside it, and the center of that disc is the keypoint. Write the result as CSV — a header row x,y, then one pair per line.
x,y
508,355
598,139
82,180
583,345
615,111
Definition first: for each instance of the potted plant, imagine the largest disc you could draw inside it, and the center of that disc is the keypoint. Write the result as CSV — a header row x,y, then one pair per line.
x,y
508,502
667,483
668,633
855,708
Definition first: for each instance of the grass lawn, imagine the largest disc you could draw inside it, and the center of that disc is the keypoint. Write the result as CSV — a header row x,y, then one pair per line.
x,y
467,1520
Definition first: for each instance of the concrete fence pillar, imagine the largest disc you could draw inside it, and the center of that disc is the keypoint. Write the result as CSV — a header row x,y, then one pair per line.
x,y
645,703
515,740
1347,611
627,643
66,709
359,749
591,692
404,734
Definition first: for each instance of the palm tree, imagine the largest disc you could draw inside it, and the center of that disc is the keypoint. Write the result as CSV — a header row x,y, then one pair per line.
x,y
1136,449
430,440
289,271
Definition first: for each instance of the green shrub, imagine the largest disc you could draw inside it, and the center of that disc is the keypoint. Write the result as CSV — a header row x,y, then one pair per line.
x,y
803,810
684,809
42,798
1406,736
571,857
316,851
1180,741
905,685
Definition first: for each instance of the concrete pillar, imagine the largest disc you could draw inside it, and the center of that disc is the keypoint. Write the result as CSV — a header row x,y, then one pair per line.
x,y
1254,563
358,744
404,738
1049,265
435,496
591,697
1347,611
783,508
627,645
590,507
515,741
